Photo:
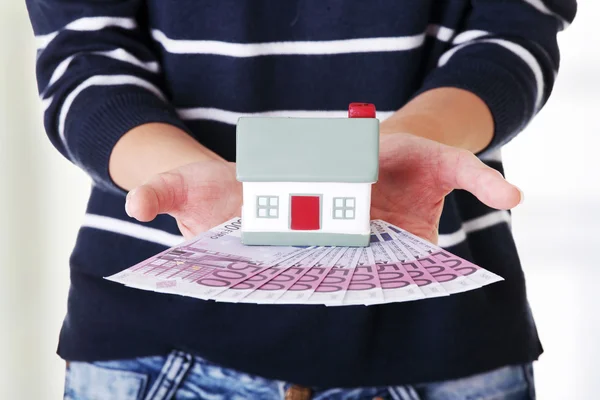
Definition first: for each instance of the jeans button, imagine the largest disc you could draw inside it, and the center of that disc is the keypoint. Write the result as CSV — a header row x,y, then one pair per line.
x,y
296,392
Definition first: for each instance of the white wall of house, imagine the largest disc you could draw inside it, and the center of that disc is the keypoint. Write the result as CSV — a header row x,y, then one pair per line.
x,y
327,190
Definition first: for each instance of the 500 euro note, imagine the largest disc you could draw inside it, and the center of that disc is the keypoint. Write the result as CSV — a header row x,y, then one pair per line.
x,y
365,287
333,288
271,290
204,266
397,266
399,278
474,272
239,291
396,282
302,290
398,253
450,280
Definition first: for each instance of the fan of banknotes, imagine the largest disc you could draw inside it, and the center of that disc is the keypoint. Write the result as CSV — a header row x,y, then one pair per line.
x,y
397,266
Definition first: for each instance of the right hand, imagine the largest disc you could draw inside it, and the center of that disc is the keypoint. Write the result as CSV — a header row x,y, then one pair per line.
x,y
199,196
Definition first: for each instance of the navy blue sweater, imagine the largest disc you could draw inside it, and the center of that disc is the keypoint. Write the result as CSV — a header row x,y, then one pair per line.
x,y
104,67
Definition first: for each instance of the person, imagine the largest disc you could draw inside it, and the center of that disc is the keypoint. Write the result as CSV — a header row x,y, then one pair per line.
x,y
144,96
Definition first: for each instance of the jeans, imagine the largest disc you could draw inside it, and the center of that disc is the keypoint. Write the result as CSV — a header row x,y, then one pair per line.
x,y
182,376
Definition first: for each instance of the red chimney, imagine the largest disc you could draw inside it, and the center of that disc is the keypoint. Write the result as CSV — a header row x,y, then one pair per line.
x,y
361,110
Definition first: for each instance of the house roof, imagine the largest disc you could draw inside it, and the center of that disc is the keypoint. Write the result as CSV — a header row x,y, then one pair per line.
x,y
307,149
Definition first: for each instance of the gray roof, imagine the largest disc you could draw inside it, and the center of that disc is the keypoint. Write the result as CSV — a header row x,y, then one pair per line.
x,y
307,149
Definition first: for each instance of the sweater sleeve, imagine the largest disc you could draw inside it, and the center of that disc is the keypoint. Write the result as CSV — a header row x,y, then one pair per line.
x,y
97,76
507,54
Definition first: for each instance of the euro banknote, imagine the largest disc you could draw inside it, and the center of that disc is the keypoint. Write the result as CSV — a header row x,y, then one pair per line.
x,y
397,266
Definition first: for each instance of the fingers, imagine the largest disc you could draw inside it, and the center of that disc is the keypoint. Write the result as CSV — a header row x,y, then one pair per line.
x,y
462,170
162,194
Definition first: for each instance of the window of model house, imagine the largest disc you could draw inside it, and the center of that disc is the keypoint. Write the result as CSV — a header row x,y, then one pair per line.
x,y
267,207
344,207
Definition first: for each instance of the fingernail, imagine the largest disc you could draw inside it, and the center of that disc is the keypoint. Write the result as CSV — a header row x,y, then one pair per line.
x,y
128,202
522,195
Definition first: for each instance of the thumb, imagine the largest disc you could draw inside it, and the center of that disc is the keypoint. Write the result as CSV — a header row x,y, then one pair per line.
x,y
463,170
163,193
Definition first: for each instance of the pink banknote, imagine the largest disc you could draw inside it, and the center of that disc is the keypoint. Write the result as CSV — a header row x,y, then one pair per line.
x,y
397,266
270,291
308,284
304,287
397,284
203,267
451,281
239,291
365,287
199,280
479,275
390,252
333,288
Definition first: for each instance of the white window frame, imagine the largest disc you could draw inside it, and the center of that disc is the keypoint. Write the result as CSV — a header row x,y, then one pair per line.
x,y
271,206
347,208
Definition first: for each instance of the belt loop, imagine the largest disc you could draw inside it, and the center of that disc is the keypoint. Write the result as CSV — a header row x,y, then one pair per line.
x,y
171,375
297,392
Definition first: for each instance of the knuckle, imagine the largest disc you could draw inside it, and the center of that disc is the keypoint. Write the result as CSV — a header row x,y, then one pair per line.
x,y
169,189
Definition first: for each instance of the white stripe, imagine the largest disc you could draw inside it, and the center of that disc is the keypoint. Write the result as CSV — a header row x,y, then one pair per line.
x,y
530,60
516,49
440,32
42,41
131,229
167,239
101,80
363,45
46,104
117,54
412,393
473,225
541,7
59,71
468,36
394,392
486,221
98,23
452,239
231,117
122,55
87,24
495,155
401,390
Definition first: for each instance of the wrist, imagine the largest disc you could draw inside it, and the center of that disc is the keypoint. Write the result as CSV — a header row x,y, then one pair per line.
x,y
450,116
153,148
421,125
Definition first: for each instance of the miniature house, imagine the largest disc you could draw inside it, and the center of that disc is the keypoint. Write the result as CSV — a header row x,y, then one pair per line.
x,y
307,181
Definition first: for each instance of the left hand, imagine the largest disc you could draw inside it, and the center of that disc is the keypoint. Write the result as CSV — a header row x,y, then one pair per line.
x,y
415,174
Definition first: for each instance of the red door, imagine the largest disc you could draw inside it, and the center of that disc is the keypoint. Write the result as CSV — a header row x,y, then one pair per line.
x,y
306,213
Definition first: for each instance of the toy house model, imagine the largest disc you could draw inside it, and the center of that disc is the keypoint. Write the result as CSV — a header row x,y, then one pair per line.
x,y
307,181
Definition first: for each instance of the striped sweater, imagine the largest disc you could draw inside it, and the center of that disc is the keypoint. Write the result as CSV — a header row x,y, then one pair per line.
x,y
104,67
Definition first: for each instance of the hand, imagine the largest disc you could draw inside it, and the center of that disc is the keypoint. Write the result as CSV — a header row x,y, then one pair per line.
x,y
415,174
198,195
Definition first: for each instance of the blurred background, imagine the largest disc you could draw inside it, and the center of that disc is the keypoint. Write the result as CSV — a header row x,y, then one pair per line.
x,y
555,162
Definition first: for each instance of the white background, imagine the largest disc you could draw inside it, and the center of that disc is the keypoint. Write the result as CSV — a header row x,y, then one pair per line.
x,y
42,200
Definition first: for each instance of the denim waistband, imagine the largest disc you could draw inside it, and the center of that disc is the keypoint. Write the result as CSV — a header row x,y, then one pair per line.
x,y
183,376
